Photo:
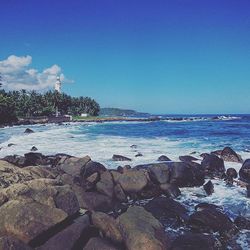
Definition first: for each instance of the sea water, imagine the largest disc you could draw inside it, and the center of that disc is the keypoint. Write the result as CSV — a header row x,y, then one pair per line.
x,y
175,136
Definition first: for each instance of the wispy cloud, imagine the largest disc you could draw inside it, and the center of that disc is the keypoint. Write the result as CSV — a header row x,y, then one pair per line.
x,y
17,74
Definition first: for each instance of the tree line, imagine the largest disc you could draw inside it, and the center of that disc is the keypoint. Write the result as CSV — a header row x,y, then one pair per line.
x,y
25,104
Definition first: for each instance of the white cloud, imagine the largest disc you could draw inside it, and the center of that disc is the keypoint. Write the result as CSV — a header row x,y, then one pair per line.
x,y
17,74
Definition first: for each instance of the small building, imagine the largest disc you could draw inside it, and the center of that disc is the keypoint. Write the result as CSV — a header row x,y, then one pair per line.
x,y
84,115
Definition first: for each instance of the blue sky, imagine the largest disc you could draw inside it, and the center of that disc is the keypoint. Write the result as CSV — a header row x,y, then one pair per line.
x,y
172,56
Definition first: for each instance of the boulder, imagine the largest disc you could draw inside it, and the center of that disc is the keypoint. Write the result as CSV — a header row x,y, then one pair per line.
x,y
213,165
119,193
132,181
170,190
138,155
27,219
17,160
159,173
34,159
107,225
33,148
228,154
204,205
185,175
140,229
211,220
209,187
165,208
97,243
195,241
68,237
105,185
163,158
248,190
244,172
92,167
120,158
11,243
28,131
242,222
231,173
187,158
11,144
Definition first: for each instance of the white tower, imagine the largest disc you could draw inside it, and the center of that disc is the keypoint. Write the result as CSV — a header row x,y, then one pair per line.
x,y
58,84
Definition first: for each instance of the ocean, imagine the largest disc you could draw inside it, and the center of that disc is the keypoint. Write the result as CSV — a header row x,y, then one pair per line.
x,y
173,137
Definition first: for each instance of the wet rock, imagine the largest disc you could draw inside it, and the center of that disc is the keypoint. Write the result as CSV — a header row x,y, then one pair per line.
x,y
90,182
150,191
107,225
133,181
163,158
33,148
209,187
204,205
94,201
192,241
139,229
105,185
159,173
231,173
119,193
34,159
216,152
27,219
73,166
67,238
170,190
11,144
97,243
28,131
228,154
164,208
242,222
203,155
92,167
187,158
11,243
244,172
248,190
133,146
138,155
120,158
17,160
213,165
185,175
210,220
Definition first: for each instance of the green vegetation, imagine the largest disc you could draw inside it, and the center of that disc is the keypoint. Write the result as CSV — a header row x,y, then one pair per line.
x,y
119,112
23,104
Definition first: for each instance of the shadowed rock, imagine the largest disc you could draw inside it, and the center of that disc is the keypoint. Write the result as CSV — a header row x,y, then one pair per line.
x,y
228,154
28,131
244,172
11,243
209,187
97,243
120,158
163,158
187,158
213,165
170,190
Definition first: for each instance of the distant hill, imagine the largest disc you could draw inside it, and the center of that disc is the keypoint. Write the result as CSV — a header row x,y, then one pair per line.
x,y
120,112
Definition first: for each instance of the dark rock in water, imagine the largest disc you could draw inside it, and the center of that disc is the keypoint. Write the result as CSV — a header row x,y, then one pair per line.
x,y
248,190
195,241
105,185
230,155
232,173
107,225
11,243
138,155
209,187
34,159
164,208
210,219
187,158
68,237
33,148
204,205
11,144
242,222
213,165
244,172
186,175
132,181
216,152
120,158
97,243
140,229
163,158
170,190
159,173
28,131
133,146
17,160
203,155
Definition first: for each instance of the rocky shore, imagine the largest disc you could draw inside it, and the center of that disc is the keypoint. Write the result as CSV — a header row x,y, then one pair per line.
x,y
65,202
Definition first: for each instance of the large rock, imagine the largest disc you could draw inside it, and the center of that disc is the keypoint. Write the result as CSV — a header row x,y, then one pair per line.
x,y
242,222
187,158
140,229
35,159
209,187
120,158
133,181
163,158
107,225
170,190
92,167
210,219
159,173
213,165
228,154
68,237
97,243
106,185
11,243
27,219
17,160
28,131
185,175
192,241
244,172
